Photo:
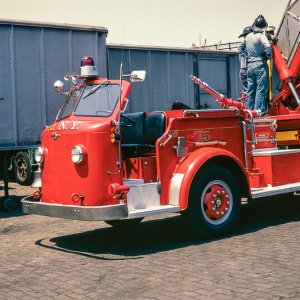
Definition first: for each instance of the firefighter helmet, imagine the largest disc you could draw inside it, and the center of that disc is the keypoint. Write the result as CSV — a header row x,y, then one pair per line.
x,y
260,24
246,31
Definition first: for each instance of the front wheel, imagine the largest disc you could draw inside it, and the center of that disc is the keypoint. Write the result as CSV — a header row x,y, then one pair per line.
x,y
214,202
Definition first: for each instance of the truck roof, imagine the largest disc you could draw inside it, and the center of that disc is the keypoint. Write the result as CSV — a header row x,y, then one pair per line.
x,y
171,49
53,25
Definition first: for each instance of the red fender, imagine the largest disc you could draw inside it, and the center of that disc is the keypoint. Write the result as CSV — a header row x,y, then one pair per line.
x,y
187,169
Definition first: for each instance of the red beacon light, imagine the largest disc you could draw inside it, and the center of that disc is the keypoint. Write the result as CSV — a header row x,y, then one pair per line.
x,y
88,69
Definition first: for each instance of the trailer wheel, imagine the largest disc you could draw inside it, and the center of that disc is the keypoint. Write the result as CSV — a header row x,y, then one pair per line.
x,y
9,204
119,224
23,169
214,202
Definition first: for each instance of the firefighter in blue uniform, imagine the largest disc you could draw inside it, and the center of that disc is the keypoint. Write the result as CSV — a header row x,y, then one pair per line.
x,y
257,49
243,62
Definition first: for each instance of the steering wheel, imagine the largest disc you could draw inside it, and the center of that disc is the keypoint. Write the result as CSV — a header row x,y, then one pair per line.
x,y
128,122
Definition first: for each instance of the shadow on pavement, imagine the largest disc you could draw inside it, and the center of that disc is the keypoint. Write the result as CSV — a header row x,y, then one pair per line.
x,y
169,234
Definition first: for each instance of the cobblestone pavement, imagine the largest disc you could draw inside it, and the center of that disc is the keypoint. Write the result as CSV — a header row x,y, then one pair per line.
x,y
47,258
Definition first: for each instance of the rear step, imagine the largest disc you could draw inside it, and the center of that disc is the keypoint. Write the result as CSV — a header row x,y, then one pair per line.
x,y
275,190
143,200
152,211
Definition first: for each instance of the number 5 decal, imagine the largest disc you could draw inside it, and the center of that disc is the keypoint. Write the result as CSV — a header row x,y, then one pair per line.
x,y
205,136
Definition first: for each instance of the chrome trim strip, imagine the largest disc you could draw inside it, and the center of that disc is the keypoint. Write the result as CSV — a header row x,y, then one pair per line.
x,y
175,186
194,111
275,190
275,152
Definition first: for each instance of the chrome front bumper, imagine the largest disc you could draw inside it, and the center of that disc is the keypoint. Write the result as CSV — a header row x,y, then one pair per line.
x,y
83,213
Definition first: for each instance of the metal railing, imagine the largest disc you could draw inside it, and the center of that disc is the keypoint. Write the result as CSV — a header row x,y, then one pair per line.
x,y
226,46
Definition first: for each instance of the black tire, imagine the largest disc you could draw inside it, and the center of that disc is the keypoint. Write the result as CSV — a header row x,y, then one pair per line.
x,y
23,169
9,204
214,202
119,224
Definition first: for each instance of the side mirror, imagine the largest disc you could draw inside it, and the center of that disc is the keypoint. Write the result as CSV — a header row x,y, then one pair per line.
x,y
137,76
59,86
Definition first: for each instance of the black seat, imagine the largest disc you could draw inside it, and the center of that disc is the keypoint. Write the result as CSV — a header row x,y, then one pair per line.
x,y
141,137
154,127
132,133
132,139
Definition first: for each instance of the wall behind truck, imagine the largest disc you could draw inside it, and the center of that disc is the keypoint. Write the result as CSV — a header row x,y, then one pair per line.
x,y
32,57
167,78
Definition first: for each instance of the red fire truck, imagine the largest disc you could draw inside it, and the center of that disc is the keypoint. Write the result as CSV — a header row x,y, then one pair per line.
x,y
97,162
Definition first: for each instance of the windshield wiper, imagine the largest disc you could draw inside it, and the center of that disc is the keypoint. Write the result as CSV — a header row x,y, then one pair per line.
x,y
95,89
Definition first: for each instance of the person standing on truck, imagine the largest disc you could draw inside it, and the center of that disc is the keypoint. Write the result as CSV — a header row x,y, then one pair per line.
x,y
257,48
243,62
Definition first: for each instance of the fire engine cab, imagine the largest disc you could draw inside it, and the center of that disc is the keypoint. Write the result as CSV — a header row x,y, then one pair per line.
x,y
97,162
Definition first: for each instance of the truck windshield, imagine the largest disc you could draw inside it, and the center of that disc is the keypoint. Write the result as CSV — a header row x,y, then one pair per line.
x,y
69,104
98,101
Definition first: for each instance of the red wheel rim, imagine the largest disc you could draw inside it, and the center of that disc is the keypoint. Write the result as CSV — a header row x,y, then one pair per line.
x,y
216,202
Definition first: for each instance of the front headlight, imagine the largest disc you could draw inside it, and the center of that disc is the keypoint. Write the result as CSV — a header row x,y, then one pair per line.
x,y
77,154
39,155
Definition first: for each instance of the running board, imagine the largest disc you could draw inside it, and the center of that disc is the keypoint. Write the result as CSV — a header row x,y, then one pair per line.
x,y
152,211
275,190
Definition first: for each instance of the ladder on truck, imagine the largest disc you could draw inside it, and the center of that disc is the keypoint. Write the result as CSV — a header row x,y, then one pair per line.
x,y
260,142
273,165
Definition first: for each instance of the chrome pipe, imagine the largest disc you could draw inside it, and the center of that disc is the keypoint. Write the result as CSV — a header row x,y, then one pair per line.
x,y
294,92
245,144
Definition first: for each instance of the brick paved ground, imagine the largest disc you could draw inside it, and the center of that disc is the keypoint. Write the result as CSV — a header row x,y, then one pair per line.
x,y
50,258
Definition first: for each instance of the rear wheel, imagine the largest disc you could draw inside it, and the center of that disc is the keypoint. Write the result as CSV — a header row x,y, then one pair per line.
x,y
214,202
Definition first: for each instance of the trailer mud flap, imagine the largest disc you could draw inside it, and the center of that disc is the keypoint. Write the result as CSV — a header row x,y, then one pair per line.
x,y
83,213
